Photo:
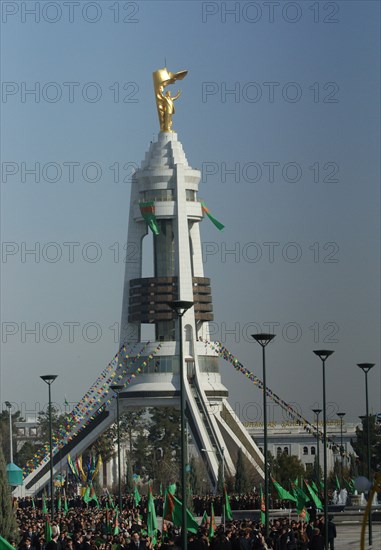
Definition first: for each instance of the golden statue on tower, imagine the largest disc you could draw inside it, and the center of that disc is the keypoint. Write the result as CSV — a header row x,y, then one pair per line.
x,y
165,101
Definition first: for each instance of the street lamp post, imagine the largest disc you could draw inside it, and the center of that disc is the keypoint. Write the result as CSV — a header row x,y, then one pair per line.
x,y
317,412
323,354
49,379
9,407
117,389
223,486
263,339
365,367
341,416
180,307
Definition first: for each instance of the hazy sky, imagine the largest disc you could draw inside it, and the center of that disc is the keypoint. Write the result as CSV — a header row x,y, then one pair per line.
x,y
280,111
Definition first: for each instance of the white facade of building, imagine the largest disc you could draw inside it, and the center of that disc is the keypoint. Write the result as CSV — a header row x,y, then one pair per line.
x,y
292,439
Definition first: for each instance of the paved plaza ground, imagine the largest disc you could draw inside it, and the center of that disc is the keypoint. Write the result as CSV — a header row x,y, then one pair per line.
x,y
348,536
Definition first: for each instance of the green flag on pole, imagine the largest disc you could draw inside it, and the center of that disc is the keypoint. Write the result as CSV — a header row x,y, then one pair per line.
x,y
151,517
137,497
205,519
173,512
314,487
315,499
44,507
337,482
172,488
212,524
218,224
116,524
66,506
282,493
48,530
301,500
349,485
228,510
5,545
263,506
147,210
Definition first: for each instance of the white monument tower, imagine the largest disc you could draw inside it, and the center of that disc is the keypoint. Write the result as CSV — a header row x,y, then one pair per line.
x,y
165,193
164,197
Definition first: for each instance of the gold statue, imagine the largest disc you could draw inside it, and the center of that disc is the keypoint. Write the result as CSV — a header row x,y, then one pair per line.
x,y
165,102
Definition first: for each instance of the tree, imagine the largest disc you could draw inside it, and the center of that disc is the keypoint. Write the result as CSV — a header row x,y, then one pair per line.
x,y
129,482
8,525
26,453
360,445
285,467
164,431
164,437
196,475
241,484
220,477
58,422
4,431
130,422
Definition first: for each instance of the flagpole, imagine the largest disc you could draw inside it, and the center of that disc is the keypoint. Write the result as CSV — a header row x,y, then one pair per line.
x,y
323,356
180,307
49,379
223,486
117,389
263,340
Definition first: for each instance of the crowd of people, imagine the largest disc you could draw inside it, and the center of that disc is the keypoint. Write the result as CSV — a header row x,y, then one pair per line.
x,y
90,527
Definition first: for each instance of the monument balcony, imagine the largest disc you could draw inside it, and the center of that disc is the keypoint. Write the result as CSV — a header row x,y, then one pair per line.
x,y
149,298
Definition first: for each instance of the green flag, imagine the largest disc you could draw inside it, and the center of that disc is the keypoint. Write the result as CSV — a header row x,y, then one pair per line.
x,y
315,499
161,489
151,517
349,485
110,499
228,510
48,530
44,507
33,504
218,224
172,488
263,506
59,504
116,524
137,497
147,210
301,500
173,512
314,487
5,545
337,483
282,493
66,506
212,524
205,519
90,495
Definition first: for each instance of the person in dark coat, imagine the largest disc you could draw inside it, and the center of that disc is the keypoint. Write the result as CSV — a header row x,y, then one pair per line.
x,y
54,544
317,541
221,542
331,533
136,542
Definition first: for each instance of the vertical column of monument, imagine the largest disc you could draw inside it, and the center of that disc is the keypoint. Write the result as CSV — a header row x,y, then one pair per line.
x,y
184,262
130,332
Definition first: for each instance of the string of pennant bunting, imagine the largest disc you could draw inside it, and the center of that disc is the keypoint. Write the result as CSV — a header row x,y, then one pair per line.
x,y
123,368
225,354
